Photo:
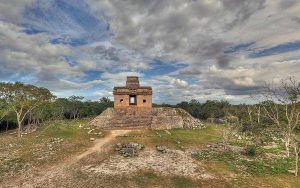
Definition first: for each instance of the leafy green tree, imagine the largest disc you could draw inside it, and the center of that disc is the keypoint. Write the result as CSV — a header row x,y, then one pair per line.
x,y
105,102
75,106
59,108
3,109
281,107
22,99
215,109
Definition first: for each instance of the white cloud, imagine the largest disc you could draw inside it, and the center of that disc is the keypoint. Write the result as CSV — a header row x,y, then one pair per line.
x,y
195,33
12,10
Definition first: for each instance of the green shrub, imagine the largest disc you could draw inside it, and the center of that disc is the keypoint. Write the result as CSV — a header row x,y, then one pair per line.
x,y
250,150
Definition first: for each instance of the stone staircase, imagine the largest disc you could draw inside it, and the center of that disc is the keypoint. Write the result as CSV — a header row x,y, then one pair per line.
x,y
145,118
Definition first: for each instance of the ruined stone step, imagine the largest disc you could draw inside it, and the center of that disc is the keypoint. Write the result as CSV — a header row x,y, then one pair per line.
x,y
156,118
137,123
132,125
132,120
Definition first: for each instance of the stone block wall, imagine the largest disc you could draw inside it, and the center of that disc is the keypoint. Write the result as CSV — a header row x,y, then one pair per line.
x,y
121,101
142,101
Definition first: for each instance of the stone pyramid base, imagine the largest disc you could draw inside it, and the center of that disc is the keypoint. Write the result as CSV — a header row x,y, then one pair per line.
x,y
145,118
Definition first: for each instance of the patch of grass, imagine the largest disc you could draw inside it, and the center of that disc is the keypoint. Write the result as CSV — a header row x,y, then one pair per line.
x,y
281,166
175,138
271,150
267,181
219,169
147,178
263,167
241,164
12,165
194,137
183,182
253,167
152,179
65,129
41,147
215,155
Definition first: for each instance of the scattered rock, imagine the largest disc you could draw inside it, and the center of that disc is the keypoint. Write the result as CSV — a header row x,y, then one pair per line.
x,y
162,149
92,139
274,145
129,150
118,147
225,147
168,132
92,132
291,171
273,156
173,164
158,134
178,142
56,140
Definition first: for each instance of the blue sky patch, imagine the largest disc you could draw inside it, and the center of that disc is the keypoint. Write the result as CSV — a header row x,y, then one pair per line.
x,y
70,22
68,41
159,67
282,48
31,30
239,47
92,75
71,61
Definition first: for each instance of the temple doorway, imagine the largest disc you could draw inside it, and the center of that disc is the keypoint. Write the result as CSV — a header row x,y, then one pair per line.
x,y
132,99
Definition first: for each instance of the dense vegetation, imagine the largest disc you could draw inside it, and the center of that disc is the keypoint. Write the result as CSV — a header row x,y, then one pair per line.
x,y
22,104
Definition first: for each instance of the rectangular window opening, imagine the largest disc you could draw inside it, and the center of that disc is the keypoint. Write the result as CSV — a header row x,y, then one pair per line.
x,y
144,100
132,100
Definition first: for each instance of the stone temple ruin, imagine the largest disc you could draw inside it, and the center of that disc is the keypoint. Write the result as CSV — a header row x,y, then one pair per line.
x,y
132,95
133,110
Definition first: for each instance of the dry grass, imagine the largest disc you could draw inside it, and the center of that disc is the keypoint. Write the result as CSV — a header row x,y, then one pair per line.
x,y
50,144
24,154
175,138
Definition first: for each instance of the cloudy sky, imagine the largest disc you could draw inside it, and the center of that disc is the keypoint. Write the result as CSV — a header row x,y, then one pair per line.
x,y
184,49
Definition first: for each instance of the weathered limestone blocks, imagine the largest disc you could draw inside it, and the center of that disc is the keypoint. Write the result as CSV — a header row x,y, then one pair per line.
x,y
148,118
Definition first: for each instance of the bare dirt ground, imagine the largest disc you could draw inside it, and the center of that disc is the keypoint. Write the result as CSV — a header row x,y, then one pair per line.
x,y
100,166
44,177
174,163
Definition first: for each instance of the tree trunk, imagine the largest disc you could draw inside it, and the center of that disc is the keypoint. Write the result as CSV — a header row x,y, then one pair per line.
x,y
20,126
250,115
6,125
296,159
19,129
296,169
287,146
258,115
30,118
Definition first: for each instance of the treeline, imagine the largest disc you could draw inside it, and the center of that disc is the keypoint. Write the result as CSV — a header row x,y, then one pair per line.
x,y
74,107
209,110
22,104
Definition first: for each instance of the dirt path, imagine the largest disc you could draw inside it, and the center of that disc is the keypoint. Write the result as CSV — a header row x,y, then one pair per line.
x,y
98,147
45,176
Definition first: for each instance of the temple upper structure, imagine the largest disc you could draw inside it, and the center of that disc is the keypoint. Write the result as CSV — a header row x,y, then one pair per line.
x,y
133,95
